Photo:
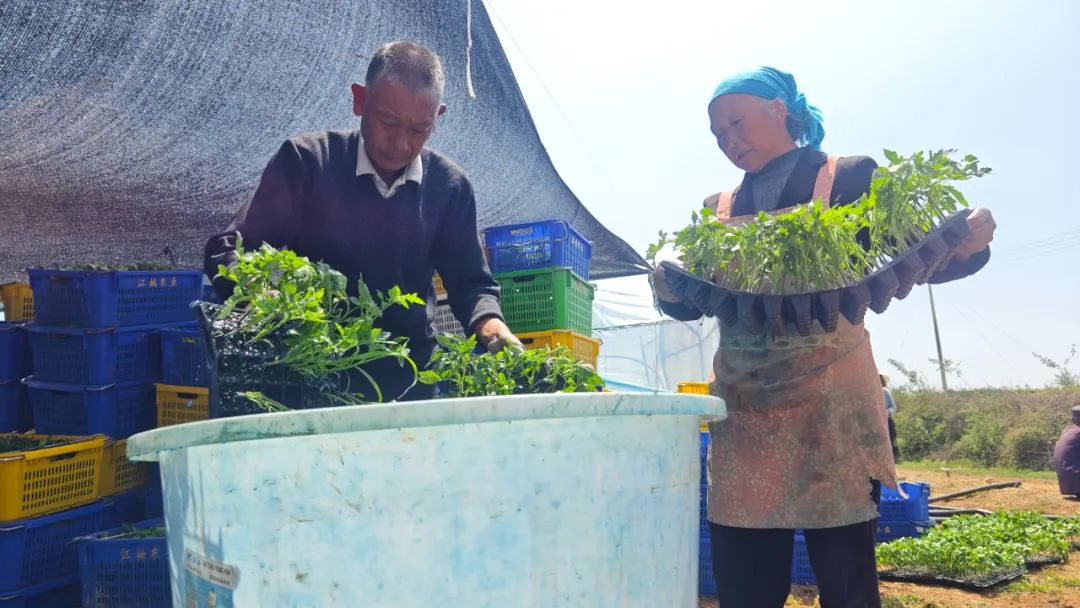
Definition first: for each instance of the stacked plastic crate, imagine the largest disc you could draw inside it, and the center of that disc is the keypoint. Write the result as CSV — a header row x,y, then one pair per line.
x,y
904,516
706,582
801,571
543,271
15,361
18,301
15,364
95,358
182,396
49,493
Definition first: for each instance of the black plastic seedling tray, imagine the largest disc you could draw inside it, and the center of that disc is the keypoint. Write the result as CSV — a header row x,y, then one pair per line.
x,y
971,584
771,313
238,365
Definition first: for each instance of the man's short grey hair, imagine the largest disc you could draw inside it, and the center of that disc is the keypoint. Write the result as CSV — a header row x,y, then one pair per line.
x,y
411,64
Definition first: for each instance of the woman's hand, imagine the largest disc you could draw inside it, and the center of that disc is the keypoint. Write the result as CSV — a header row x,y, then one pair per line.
x,y
982,225
659,283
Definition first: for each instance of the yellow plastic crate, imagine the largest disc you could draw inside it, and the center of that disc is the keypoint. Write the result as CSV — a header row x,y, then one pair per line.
x,y
36,482
697,388
18,301
584,348
118,474
440,291
180,404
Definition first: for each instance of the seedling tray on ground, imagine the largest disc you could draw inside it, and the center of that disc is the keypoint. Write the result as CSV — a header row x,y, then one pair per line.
x,y
973,584
771,313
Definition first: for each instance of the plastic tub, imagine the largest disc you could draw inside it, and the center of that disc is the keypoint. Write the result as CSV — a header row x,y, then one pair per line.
x,y
540,500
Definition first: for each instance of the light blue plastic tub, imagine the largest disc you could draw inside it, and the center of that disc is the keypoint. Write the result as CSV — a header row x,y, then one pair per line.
x,y
586,500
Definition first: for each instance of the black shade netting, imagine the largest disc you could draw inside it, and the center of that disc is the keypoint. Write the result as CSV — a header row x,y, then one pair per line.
x,y
130,127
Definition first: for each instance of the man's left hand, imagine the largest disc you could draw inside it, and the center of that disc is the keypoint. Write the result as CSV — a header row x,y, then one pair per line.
x,y
495,336
982,225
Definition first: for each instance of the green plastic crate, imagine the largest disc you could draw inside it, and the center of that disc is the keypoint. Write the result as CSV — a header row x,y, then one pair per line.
x,y
539,300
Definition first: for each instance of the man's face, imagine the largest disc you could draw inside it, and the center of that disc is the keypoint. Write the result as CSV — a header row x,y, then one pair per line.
x,y
397,121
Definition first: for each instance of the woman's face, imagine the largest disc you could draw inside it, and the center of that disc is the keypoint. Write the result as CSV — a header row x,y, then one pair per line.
x,y
750,130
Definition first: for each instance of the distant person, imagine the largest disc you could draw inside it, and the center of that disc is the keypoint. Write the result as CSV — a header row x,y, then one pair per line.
x,y
1067,457
890,407
374,202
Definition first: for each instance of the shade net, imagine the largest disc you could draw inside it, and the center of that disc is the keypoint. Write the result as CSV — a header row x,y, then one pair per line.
x,y
133,130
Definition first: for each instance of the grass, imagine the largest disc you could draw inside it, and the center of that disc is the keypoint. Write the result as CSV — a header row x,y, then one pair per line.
x,y
1049,583
963,467
907,601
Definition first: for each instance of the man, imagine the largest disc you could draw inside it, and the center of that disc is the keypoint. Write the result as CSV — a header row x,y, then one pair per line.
x,y
375,203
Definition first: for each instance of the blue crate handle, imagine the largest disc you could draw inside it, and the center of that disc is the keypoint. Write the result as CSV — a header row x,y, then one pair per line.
x,y
61,387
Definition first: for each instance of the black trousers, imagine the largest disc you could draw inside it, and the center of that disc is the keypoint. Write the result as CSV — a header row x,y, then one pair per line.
x,y
892,440
752,567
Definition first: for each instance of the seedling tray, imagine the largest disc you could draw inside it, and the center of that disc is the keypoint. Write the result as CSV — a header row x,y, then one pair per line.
x,y
973,584
237,365
773,313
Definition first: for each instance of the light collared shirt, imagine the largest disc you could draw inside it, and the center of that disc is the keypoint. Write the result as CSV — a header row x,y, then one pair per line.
x,y
414,172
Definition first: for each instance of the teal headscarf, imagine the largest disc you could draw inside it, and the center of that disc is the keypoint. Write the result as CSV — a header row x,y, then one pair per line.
x,y
804,120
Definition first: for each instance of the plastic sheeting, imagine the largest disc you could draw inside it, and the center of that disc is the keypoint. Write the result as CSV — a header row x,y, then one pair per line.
x,y
134,127
643,347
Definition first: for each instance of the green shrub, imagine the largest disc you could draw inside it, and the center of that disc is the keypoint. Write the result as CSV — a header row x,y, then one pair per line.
x,y
1030,447
1001,427
982,440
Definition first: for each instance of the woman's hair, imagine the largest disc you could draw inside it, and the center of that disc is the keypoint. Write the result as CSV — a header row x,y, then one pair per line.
x,y
803,119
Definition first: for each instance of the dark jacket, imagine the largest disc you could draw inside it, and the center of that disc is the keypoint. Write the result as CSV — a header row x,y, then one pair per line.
x,y
311,201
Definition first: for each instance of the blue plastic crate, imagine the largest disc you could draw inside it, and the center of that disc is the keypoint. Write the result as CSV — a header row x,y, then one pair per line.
x,y
801,571
892,530
706,580
58,593
546,244
40,549
117,410
153,503
703,518
916,507
15,412
704,485
183,357
124,572
14,352
95,356
99,298
123,508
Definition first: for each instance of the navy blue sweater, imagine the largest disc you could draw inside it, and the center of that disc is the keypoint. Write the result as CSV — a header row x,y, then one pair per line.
x,y
311,201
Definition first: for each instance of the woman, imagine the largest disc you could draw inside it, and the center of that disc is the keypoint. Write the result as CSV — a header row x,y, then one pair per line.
x,y
806,437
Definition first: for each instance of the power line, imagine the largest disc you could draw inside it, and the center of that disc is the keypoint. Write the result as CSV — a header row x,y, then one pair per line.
x,y
1050,240
1040,253
536,73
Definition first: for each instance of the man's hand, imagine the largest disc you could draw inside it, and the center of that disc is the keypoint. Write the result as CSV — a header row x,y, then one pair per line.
x,y
495,336
982,225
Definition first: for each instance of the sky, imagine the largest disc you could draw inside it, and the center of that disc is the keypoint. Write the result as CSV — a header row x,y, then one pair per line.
x,y
618,92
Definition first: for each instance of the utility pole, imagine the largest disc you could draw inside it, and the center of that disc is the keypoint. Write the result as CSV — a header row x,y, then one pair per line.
x,y
937,338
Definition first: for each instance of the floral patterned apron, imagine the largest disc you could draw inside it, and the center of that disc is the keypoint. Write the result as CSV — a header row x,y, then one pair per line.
x,y
806,427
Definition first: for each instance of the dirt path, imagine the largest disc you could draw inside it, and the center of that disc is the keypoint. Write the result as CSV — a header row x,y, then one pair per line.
x,y
1049,587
